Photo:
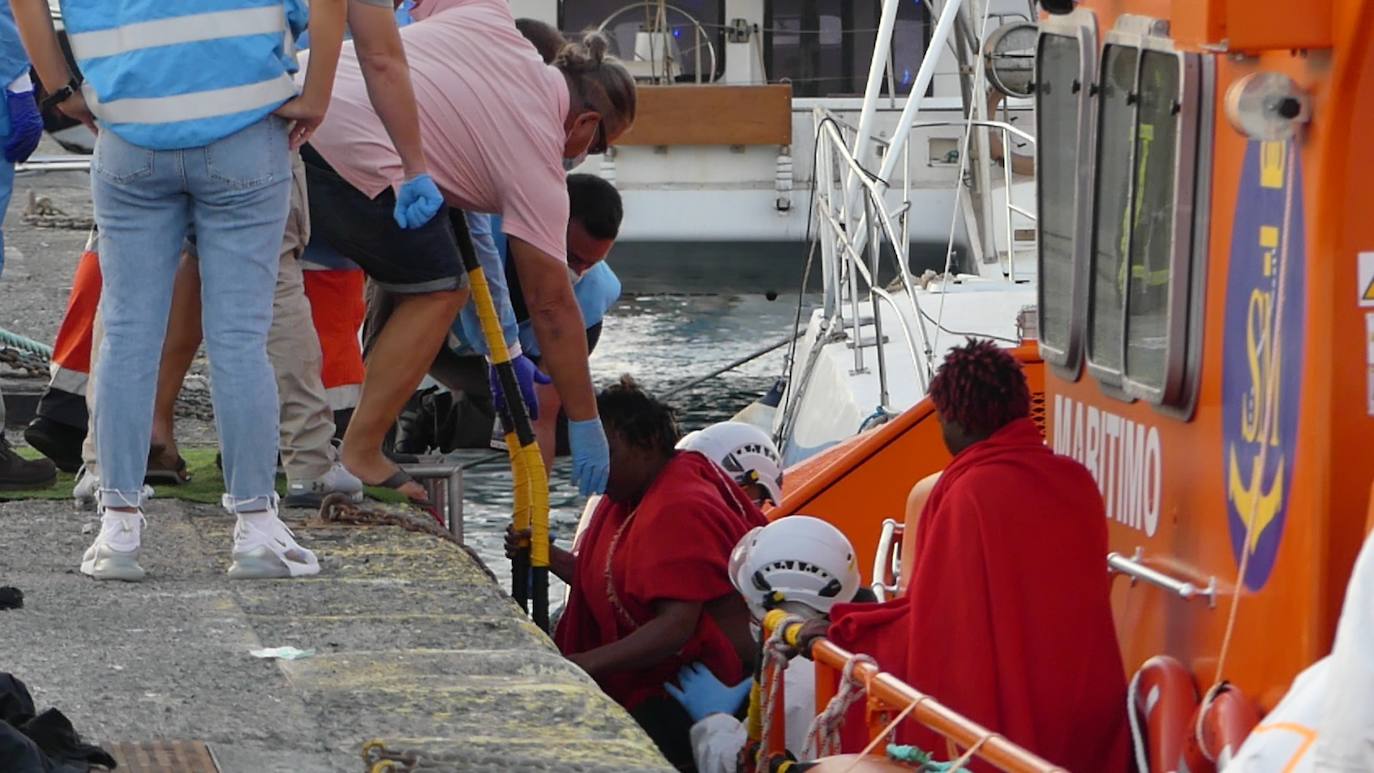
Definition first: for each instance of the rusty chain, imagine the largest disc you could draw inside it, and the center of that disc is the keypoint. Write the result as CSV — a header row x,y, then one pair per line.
x,y
379,758
27,362
336,509
42,213
192,403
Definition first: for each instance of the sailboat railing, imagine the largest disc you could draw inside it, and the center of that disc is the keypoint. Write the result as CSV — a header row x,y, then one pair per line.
x,y
842,251
852,241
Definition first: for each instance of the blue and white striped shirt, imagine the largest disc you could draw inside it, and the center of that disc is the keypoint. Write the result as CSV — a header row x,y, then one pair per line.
x,y
168,75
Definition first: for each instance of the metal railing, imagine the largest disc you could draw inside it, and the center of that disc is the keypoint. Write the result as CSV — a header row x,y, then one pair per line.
x,y
852,240
854,220
888,696
887,560
1135,568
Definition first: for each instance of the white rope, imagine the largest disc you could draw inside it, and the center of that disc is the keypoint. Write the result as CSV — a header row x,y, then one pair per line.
x,y
777,653
1274,342
1142,758
823,737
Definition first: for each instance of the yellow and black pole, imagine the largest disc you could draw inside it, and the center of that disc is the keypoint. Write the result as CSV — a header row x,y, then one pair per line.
x,y
530,568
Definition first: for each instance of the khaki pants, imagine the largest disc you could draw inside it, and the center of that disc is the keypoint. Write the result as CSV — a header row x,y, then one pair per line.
x,y
307,422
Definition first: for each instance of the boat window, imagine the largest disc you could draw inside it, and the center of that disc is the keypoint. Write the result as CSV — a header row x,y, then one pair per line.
x,y
1152,233
583,15
824,47
1111,218
1058,95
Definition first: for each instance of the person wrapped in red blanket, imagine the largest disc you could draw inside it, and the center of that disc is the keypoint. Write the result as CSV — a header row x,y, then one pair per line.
x,y
651,590
1007,618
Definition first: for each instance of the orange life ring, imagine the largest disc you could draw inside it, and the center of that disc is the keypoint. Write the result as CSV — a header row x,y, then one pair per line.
x,y
1220,725
1164,694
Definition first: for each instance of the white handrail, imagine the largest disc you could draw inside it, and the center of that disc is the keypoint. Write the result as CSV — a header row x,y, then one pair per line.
x,y
885,561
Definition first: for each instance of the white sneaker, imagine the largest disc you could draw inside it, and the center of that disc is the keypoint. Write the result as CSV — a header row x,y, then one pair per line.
x,y
264,548
310,493
86,492
114,554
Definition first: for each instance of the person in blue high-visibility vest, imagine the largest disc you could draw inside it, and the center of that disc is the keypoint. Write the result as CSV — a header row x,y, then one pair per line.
x,y
198,114
20,129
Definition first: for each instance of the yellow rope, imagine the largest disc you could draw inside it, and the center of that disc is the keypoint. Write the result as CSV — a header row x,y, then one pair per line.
x,y
532,463
755,717
529,481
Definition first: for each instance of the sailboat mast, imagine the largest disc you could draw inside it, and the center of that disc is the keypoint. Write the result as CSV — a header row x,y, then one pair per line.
x,y
882,46
894,155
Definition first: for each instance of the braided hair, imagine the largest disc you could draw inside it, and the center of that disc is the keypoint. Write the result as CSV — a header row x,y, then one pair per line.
x,y
639,417
980,387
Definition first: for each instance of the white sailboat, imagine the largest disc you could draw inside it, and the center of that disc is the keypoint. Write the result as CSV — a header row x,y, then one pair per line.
x,y
871,348
717,174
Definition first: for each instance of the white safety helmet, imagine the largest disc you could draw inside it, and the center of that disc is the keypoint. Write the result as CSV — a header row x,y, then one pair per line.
x,y
744,451
795,559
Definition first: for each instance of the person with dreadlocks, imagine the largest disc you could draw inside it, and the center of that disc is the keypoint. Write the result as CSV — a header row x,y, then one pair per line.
x,y
650,586
1007,618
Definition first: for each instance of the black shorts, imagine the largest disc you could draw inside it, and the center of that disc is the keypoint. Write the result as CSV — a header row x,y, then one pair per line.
x,y
421,260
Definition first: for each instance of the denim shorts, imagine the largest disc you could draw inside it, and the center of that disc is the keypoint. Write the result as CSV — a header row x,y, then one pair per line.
x,y
419,260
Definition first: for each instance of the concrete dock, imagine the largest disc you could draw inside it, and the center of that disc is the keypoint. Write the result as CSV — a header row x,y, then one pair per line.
x,y
413,644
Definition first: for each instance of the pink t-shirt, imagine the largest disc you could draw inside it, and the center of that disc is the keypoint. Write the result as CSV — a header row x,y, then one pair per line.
x,y
491,120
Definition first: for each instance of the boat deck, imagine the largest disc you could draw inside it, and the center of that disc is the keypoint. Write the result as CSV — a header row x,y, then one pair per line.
x,y
413,644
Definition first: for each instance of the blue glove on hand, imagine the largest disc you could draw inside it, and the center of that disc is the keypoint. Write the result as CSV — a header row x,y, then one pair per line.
x,y
591,456
702,694
527,374
26,126
417,202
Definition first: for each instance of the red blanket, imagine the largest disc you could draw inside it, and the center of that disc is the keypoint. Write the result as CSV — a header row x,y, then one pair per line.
x,y
676,546
1007,618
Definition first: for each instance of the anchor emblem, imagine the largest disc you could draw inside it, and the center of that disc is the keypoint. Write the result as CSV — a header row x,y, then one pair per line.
x,y
1250,500
1262,371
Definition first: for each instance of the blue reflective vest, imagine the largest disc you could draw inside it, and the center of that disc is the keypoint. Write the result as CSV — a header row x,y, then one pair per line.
x,y
167,75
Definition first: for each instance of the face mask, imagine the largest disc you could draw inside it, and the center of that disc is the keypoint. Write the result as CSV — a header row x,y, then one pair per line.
x,y
570,164
574,277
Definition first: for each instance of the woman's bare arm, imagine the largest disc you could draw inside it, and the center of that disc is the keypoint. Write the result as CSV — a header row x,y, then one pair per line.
x,y
672,627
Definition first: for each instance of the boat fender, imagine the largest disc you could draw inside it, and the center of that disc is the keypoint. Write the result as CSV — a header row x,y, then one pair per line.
x,y
1220,725
1164,697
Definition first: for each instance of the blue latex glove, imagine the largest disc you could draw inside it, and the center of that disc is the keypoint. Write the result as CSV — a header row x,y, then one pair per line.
x,y
26,126
527,374
417,202
591,457
702,694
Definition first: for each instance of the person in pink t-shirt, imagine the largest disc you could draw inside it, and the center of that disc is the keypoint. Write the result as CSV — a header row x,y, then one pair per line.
x,y
496,124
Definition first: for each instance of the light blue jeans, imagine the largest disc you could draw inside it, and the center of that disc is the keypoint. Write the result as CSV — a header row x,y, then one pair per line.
x,y
6,190
233,195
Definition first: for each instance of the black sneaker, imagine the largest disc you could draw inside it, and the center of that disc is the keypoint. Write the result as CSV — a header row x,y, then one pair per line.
x,y
19,474
57,441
